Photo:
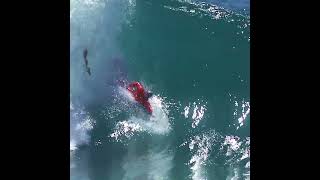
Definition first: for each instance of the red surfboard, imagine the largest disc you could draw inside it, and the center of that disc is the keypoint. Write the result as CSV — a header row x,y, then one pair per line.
x,y
140,95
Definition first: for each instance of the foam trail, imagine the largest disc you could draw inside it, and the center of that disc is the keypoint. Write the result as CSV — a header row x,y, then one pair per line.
x,y
199,109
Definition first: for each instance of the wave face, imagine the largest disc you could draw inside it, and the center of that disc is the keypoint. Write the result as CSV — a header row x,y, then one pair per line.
x,y
194,56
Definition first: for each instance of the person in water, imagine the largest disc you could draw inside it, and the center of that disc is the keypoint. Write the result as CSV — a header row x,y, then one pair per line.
x,y
140,95
85,54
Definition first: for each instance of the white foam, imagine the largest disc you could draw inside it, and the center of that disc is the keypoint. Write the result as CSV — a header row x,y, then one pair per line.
x,y
186,111
245,154
245,111
80,125
122,101
197,115
246,151
126,94
247,165
125,128
199,109
201,147
71,106
232,143
158,123
237,150
72,145
194,112
183,144
247,173
244,114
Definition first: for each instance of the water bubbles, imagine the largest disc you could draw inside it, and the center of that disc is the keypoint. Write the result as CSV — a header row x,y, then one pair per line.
x,y
198,112
125,128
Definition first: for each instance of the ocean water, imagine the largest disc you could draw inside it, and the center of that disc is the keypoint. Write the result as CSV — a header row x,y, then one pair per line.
x,y
194,57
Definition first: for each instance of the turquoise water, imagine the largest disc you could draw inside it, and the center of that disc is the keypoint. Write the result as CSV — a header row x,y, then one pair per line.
x,y
193,56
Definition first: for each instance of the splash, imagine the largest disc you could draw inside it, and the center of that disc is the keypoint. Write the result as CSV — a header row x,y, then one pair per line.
x,y
138,121
125,128
125,94
122,102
